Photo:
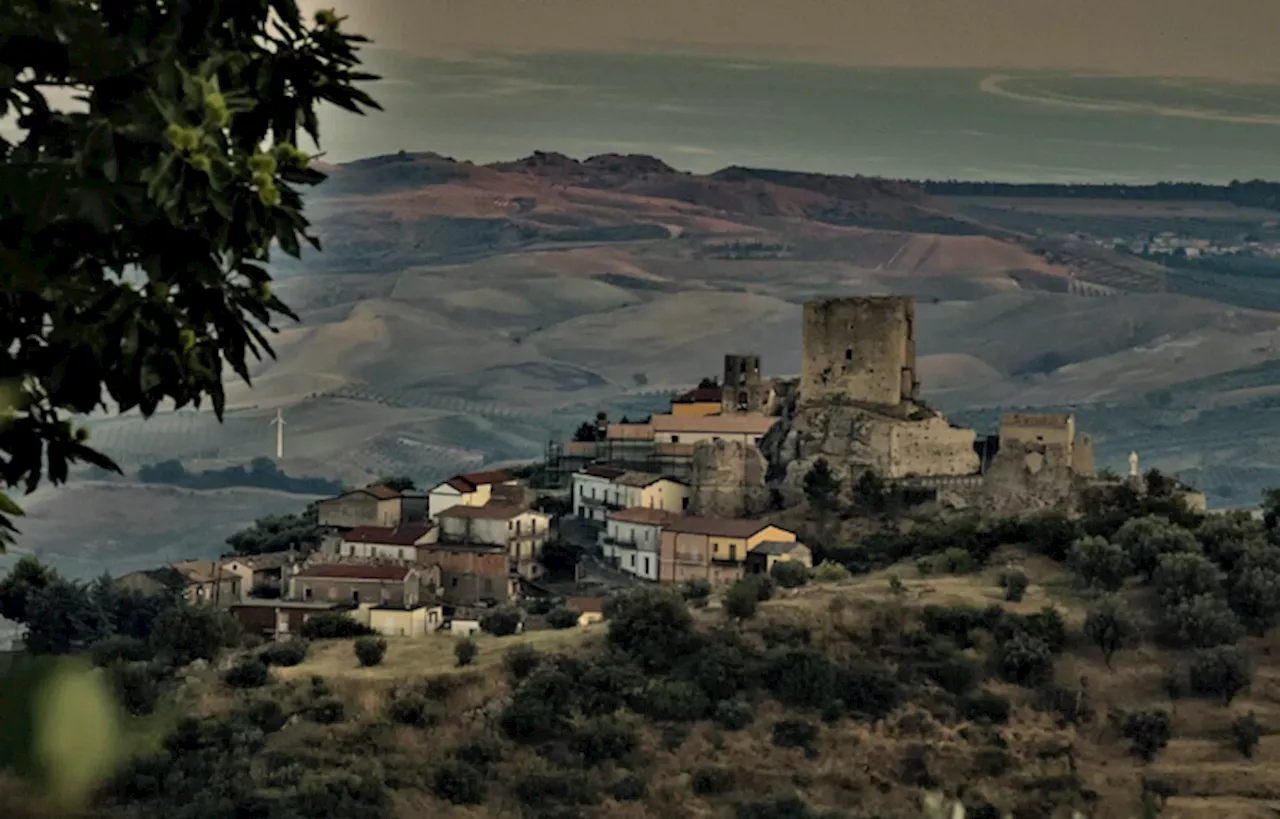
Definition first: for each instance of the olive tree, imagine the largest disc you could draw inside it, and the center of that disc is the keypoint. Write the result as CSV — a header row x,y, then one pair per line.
x,y
1145,539
135,229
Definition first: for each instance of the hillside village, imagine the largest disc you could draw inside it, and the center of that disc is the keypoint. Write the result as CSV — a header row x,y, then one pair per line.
x,y
700,493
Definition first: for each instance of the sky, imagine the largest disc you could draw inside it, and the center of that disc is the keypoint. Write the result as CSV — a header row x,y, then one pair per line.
x,y
1222,39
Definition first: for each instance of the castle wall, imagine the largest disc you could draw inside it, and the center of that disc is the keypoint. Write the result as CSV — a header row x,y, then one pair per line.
x,y
1052,429
931,447
727,480
1082,462
859,349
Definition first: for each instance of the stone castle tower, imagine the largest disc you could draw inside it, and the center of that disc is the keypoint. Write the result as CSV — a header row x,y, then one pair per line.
x,y
745,390
859,349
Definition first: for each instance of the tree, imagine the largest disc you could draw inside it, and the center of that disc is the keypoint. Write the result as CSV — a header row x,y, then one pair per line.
x,y
1225,538
1222,671
465,651
1184,574
789,574
1149,731
708,383
1254,596
741,600
1145,539
278,533
1099,564
652,624
586,431
1202,621
1246,733
28,576
563,617
187,633
1110,626
821,486
133,234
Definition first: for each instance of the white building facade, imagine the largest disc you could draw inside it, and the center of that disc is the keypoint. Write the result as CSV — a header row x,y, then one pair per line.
x,y
632,539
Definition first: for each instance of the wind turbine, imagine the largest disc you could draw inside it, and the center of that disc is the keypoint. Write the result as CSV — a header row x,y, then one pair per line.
x,y
278,423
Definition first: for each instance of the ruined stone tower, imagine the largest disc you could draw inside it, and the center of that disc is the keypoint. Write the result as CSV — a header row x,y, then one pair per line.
x,y
745,390
859,349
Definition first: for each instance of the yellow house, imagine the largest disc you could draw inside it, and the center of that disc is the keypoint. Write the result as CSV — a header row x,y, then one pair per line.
x,y
395,621
472,489
746,427
697,402
372,506
714,549
590,609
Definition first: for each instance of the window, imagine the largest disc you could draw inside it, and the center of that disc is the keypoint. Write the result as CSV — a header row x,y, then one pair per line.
x,y
633,561
306,592
733,551
488,586
684,503
646,566
351,550
517,527
402,554
848,354
453,581
675,439
355,596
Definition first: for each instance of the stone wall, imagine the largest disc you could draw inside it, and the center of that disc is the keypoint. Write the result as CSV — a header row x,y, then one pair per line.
x,y
859,349
727,480
744,388
931,446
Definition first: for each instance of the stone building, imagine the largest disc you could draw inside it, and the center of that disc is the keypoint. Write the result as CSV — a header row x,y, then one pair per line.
x,y
727,480
744,389
859,349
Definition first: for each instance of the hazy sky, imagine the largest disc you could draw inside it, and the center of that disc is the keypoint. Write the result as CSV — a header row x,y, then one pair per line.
x,y
1191,38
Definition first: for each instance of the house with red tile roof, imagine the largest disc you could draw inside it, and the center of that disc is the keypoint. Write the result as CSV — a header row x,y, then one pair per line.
x,y
632,539
387,542
521,532
356,583
470,489
372,506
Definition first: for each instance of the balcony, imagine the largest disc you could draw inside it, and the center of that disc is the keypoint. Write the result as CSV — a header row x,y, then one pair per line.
x,y
602,503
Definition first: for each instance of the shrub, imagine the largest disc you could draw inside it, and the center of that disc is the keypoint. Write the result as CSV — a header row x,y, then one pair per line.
x,y
540,605
1024,660
409,709
794,733
1173,681
541,790
329,625
248,672
956,674
678,701
284,653
954,561
697,592
327,710
1246,733
605,738
789,574
1203,621
370,650
742,599
501,622
653,625
712,780
1148,730
985,708
137,686
521,661
828,571
1014,582
1182,575
630,788
733,715
1051,534
459,783
1099,564
1223,672
119,648
465,651
563,617
777,633
267,715
1110,626
992,762
479,755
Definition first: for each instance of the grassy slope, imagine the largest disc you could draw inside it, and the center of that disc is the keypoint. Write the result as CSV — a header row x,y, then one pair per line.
x,y
858,766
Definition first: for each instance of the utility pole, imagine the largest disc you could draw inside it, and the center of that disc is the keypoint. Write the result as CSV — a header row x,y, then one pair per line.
x,y
278,423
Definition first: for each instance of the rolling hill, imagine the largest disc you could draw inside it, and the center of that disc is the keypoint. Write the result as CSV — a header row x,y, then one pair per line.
x,y
463,314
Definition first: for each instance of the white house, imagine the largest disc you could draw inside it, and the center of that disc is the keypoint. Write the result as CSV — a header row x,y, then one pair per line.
x,y
472,489
632,539
598,490
398,543
522,532
594,493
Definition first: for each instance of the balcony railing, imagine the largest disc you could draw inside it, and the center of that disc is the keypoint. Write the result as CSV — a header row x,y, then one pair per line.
x,y
602,503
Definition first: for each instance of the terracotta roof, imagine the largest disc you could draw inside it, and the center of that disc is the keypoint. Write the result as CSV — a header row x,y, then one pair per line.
x,y
199,571
471,481
747,423
637,479
381,492
585,605
700,395
355,571
629,432
717,527
392,536
609,473
642,515
490,511
778,547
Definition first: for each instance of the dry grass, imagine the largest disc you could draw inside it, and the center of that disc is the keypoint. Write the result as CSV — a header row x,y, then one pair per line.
x,y
429,655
